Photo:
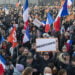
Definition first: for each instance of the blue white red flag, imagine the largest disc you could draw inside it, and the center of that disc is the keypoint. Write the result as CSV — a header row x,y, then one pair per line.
x,y
49,22
26,37
2,65
25,14
63,12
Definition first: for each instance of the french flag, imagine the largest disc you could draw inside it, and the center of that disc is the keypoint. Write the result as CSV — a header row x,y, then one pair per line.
x,y
25,14
26,37
63,12
49,22
2,65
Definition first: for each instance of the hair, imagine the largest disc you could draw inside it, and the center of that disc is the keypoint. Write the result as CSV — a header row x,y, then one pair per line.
x,y
61,72
27,71
26,48
20,46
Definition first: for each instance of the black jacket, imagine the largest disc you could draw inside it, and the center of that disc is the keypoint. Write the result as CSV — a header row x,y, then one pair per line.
x,y
71,70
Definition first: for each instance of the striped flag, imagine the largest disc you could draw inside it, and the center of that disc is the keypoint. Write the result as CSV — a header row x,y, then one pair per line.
x,y
2,65
12,37
49,22
25,14
63,12
26,37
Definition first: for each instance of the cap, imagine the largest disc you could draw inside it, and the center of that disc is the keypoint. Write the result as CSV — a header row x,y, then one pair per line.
x,y
66,54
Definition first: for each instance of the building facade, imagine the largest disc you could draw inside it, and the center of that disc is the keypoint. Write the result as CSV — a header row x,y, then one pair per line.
x,y
31,2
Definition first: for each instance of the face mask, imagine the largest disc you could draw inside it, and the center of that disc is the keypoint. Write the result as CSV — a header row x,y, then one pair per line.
x,y
48,74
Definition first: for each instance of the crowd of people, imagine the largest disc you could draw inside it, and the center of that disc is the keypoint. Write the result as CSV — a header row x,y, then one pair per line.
x,y
24,59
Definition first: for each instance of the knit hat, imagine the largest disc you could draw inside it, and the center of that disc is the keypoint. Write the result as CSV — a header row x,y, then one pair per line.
x,y
19,67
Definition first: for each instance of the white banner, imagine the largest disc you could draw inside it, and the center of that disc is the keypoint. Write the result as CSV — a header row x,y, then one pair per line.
x,y
46,44
37,23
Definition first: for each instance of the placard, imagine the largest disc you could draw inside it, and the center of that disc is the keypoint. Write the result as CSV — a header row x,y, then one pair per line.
x,y
46,44
37,23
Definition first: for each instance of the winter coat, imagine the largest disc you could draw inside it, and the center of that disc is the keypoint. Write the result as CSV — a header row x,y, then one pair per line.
x,y
71,70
